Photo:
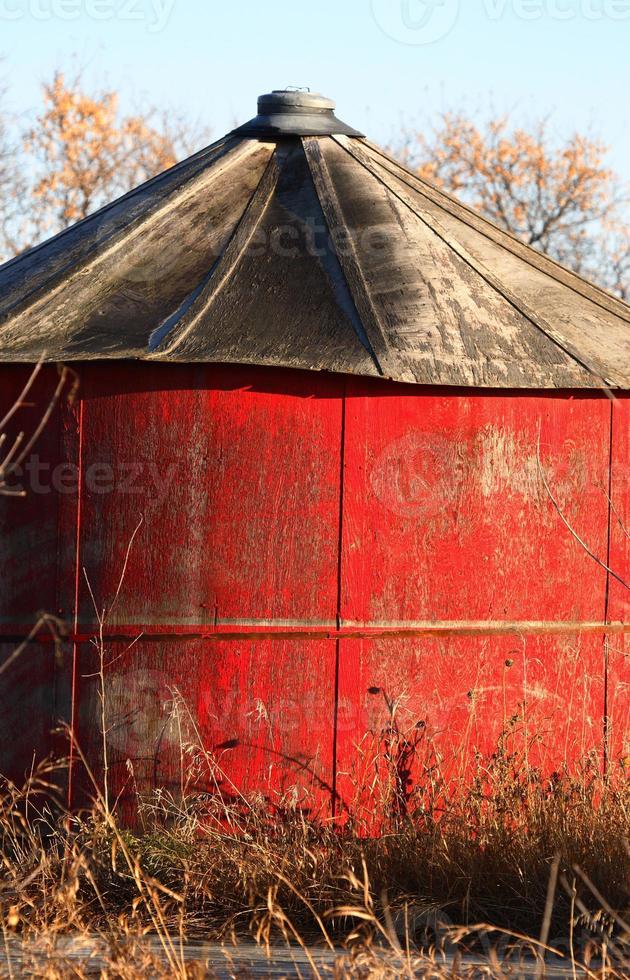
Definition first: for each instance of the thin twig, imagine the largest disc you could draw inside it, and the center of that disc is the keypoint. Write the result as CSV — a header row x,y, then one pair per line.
x,y
20,449
51,622
602,901
577,537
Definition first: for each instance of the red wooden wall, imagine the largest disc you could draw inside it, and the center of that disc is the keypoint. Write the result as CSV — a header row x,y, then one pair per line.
x,y
285,539
618,647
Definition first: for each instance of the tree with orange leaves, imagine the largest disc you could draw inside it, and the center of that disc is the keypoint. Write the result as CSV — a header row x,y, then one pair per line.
x,y
560,198
82,153
11,186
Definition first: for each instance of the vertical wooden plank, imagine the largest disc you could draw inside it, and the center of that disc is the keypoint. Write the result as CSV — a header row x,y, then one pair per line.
x,y
68,575
229,480
439,710
26,715
618,692
221,718
28,524
28,551
234,474
446,517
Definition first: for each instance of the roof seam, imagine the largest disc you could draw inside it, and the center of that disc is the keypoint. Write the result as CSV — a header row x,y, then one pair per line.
x,y
358,326
95,253
481,270
348,261
225,263
527,253
119,200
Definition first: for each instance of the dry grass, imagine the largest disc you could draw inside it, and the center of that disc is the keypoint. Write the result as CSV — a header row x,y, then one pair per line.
x,y
522,855
407,873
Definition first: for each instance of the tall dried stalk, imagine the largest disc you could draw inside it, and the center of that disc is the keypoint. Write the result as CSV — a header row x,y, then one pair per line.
x,y
103,614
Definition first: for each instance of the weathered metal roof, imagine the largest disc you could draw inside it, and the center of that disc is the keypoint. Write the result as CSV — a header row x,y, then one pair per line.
x,y
316,252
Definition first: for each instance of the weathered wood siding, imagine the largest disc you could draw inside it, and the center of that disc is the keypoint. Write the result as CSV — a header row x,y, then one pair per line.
x,y
301,550
618,648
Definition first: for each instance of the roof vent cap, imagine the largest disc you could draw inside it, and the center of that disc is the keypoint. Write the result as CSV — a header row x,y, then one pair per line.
x,y
295,112
294,99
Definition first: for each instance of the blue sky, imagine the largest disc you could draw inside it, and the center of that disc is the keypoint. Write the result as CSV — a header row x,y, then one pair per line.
x,y
384,61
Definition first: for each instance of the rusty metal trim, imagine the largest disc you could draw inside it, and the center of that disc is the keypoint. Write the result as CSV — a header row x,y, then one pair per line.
x,y
260,631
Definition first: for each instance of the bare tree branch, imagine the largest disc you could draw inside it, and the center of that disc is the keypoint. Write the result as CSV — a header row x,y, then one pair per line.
x,y
558,196
14,451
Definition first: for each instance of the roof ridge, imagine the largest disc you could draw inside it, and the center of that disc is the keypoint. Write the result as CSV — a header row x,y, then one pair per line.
x,y
523,308
348,260
538,260
245,228
337,278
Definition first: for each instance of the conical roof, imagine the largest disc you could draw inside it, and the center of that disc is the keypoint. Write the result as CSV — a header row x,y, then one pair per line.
x,y
295,242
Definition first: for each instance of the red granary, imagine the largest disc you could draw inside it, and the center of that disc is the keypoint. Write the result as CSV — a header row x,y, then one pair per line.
x,y
343,454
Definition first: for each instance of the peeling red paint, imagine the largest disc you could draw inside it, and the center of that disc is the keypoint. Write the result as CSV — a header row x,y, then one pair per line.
x,y
295,525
